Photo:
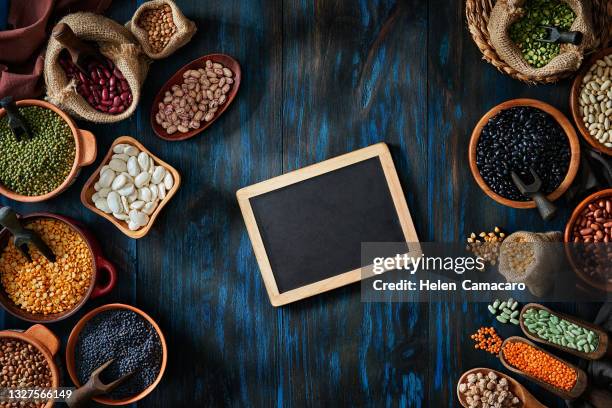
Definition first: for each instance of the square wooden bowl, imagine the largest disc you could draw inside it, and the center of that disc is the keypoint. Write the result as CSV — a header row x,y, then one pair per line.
x,y
88,189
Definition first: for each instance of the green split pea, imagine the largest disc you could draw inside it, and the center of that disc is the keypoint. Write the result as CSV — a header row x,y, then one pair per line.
x,y
36,166
556,330
526,31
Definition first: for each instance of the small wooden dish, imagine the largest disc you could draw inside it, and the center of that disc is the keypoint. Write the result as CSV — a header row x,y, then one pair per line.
x,y
177,78
88,189
574,393
603,345
527,399
85,153
46,343
568,239
575,102
565,125
74,335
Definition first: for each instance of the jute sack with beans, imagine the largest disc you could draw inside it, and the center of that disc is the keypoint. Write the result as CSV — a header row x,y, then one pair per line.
x,y
506,12
115,43
161,28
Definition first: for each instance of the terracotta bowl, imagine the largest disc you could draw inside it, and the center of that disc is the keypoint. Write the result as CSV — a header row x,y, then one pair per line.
x,y
177,78
575,104
74,335
85,154
569,227
88,189
45,342
565,125
101,266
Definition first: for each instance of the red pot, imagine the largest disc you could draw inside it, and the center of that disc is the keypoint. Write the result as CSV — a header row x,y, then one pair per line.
x,y
100,266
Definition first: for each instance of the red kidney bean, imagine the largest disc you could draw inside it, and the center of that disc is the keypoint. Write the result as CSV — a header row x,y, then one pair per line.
x,y
103,87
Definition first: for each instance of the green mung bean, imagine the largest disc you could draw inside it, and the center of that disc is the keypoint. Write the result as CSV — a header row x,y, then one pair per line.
x,y
36,166
559,331
527,30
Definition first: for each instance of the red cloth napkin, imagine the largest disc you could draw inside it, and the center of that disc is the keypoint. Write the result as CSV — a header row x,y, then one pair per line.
x,y
22,47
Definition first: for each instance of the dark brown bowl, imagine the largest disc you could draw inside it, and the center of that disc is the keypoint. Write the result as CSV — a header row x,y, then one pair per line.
x,y
603,345
561,120
575,102
100,266
177,78
74,335
567,237
581,380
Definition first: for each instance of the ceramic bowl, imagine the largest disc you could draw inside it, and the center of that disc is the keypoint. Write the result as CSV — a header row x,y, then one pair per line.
x,y
568,239
85,154
103,271
46,343
74,335
565,125
177,79
575,102
88,189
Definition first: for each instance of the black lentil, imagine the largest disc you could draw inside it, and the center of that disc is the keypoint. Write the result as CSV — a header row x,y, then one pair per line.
x,y
39,165
127,338
519,138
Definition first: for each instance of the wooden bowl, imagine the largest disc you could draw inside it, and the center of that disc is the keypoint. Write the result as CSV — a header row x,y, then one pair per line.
x,y
581,380
85,153
96,289
177,79
527,399
561,120
575,102
602,348
46,343
568,239
88,189
74,335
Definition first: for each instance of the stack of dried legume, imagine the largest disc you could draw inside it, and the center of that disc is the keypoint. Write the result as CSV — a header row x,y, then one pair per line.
x,y
36,166
22,366
539,364
159,25
596,100
556,330
41,286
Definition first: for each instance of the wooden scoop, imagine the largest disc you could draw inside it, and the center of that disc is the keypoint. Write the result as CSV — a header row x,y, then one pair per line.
x,y
603,348
80,51
597,397
527,400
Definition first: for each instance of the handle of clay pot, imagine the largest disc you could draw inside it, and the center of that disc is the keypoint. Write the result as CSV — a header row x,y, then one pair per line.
x,y
45,336
88,147
104,266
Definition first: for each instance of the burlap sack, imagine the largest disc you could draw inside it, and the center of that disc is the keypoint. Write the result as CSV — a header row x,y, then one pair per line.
x,y
116,43
185,29
569,59
529,258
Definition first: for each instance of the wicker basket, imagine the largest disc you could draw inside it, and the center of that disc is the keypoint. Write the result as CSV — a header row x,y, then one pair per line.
x,y
478,11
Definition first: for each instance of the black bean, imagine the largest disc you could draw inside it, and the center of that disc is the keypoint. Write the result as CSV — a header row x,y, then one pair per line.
x,y
127,338
519,138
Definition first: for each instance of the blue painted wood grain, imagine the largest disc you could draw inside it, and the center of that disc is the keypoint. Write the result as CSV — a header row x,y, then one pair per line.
x,y
320,78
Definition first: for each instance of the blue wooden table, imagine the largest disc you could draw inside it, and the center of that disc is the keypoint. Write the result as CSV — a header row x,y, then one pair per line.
x,y
320,78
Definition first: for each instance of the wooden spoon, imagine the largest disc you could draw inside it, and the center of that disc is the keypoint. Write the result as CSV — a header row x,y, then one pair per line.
x,y
603,348
177,79
599,398
528,400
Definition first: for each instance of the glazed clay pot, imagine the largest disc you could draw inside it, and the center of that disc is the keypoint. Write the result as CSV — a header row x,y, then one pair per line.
x,y
74,335
85,153
45,342
101,267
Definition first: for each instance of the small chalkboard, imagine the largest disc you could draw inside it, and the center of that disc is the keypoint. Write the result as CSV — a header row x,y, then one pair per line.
x,y
307,226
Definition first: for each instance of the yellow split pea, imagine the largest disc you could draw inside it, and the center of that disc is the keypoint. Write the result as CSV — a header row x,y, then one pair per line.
x,y
42,287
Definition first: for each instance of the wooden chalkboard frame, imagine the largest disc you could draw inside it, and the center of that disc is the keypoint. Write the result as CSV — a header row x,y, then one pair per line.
x,y
244,195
